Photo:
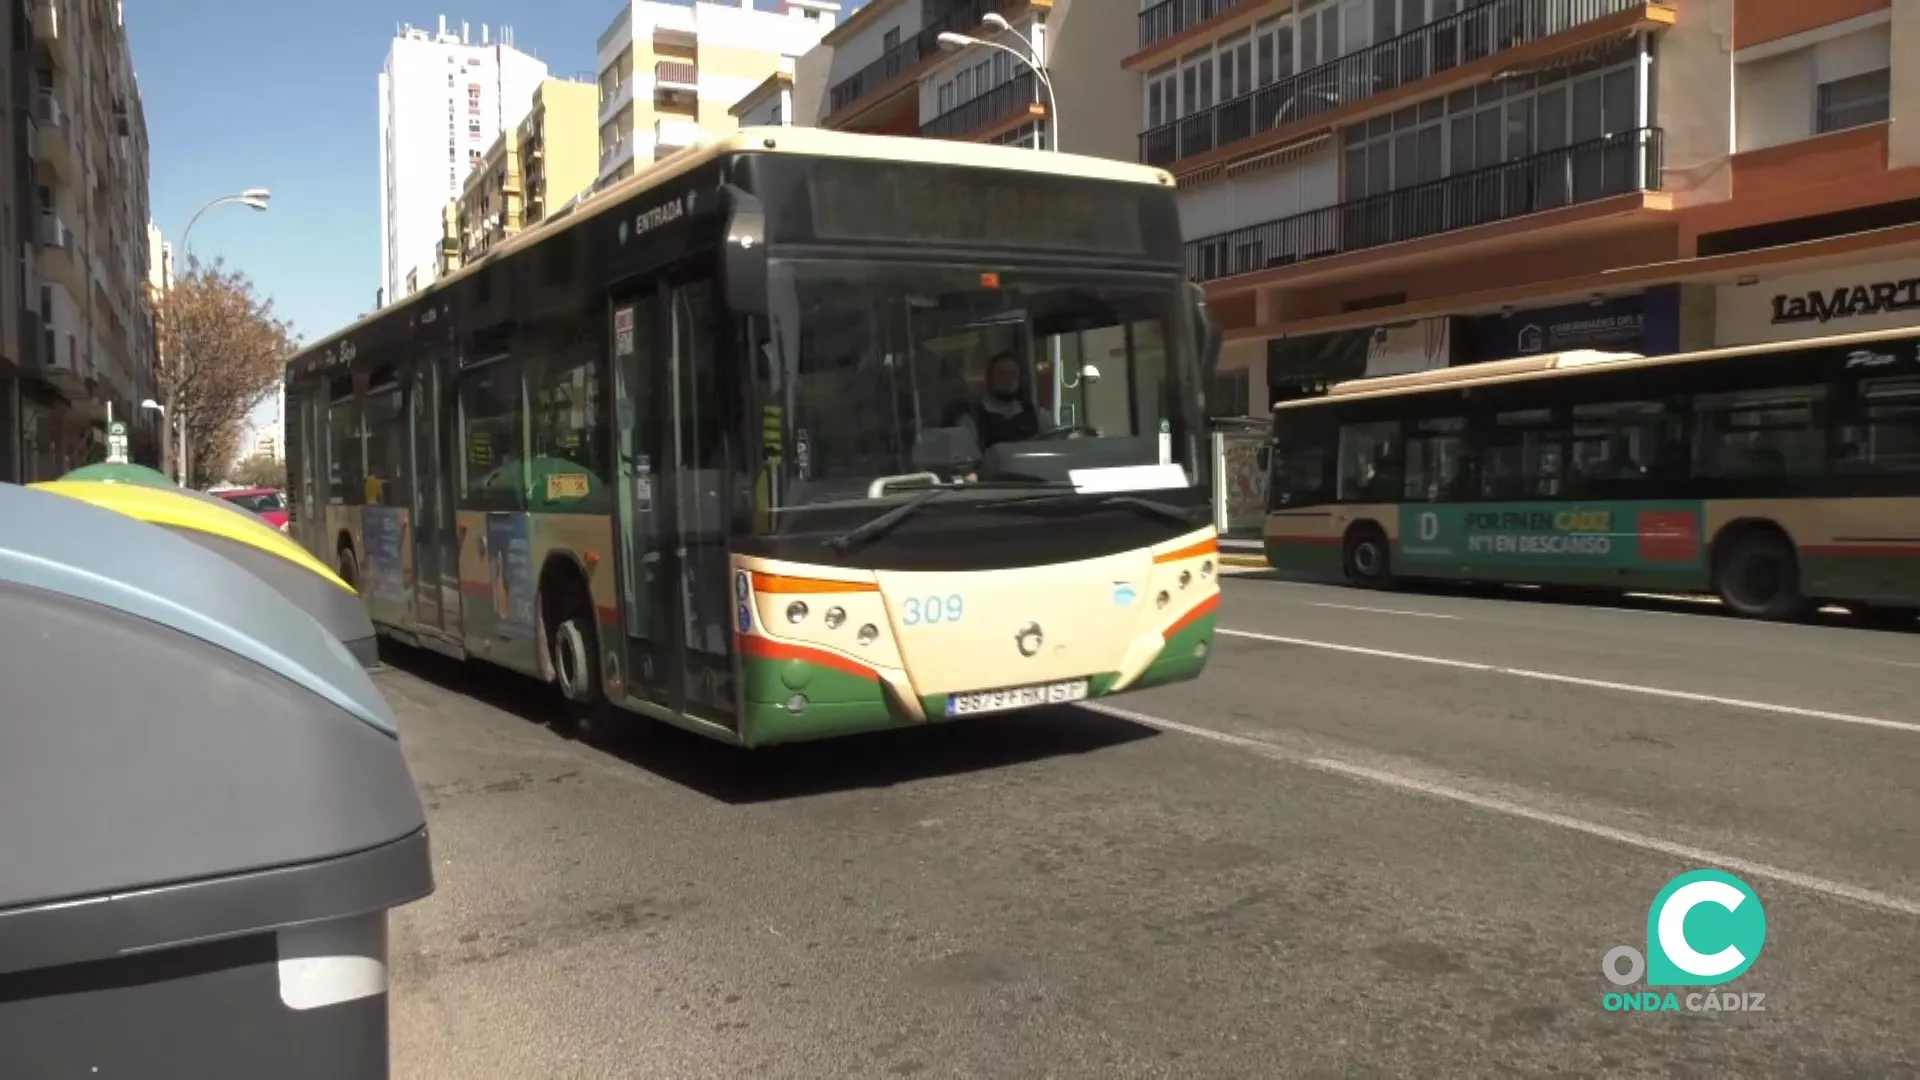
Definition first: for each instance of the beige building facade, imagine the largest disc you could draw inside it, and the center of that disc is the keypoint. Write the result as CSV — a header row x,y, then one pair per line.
x,y
490,208
559,146
669,73
79,327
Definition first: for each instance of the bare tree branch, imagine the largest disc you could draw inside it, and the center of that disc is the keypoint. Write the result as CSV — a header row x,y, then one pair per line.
x,y
225,352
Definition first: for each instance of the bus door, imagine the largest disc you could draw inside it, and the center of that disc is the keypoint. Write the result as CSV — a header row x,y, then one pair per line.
x,y
642,396
436,559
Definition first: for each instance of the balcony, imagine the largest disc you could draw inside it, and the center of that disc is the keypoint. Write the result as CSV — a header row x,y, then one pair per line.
x,y
673,133
1620,164
59,260
1338,90
51,33
676,76
908,55
1170,17
1016,99
618,98
53,140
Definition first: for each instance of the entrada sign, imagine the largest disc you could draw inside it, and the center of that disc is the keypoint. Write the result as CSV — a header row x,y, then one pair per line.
x,y
1847,302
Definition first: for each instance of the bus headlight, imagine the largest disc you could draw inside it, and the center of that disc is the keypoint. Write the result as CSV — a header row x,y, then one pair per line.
x,y
1186,578
868,634
796,612
836,616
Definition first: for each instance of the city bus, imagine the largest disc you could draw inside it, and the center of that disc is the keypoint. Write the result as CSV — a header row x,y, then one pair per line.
x,y
795,434
1775,476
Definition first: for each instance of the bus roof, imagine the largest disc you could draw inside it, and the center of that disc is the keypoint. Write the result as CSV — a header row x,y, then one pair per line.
x,y
800,141
1567,364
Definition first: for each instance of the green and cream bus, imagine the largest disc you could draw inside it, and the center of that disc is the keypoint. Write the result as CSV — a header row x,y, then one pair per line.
x,y
1775,476
795,434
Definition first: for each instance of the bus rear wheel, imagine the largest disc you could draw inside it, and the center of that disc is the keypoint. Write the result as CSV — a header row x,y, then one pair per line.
x,y
1758,575
1368,557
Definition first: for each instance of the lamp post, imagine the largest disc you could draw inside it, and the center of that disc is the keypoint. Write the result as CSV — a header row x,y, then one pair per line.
x,y
953,42
253,199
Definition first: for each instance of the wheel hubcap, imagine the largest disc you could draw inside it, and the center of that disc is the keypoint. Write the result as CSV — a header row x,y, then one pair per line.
x,y
1366,559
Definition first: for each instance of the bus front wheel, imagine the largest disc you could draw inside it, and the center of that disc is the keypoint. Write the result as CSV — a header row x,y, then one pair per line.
x,y
1368,557
574,644
1758,575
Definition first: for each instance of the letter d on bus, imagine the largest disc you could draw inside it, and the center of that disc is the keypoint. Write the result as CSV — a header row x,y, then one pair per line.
x,y
1429,526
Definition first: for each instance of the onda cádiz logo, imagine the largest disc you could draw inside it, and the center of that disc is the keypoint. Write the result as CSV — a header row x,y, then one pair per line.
x,y
1705,929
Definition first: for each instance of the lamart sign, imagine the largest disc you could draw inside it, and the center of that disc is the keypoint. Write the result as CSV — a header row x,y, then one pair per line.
x,y
1875,297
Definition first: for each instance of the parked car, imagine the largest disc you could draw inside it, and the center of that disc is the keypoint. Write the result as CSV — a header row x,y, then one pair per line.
x,y
267,502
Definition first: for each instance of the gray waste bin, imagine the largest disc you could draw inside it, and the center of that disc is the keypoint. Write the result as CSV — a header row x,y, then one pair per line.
x,y
204,815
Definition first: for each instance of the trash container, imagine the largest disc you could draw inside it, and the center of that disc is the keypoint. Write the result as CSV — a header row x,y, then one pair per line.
x,y
204,815
241,536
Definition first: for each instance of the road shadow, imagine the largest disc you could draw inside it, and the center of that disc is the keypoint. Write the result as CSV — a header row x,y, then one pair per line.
x,y
771,774
1702,605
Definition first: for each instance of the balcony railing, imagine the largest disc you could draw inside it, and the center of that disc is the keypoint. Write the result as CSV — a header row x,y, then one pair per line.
x,y
54,232
48,111
1010,98
1170,17
1438,47
1617,164
902,57
676,75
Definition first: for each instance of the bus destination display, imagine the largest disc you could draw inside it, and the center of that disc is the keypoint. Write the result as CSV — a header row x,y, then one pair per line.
x,y
861,202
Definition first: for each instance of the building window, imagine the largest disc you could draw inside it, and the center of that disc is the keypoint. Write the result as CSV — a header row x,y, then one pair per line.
x,y
1854,101
1163,92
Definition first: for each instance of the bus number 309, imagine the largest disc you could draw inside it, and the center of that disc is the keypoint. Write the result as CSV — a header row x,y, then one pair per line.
x,y
933,609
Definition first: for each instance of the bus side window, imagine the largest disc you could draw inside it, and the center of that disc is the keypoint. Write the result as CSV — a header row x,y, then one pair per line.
x,y
1371,462
1881,431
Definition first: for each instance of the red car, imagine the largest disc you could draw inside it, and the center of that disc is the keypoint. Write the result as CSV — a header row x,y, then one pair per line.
x,y
267,502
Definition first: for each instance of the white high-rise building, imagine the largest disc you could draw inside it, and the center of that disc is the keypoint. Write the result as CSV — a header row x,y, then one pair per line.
x,y
444,96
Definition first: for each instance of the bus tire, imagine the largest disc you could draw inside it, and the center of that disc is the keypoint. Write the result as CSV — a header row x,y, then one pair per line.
x,y
348,567
1757,574
573,645
1368,557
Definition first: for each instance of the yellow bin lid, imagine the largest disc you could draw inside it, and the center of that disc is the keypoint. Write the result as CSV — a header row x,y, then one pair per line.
x,y
179,510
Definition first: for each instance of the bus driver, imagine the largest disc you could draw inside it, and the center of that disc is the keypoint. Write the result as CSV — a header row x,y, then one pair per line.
x,y
1006,412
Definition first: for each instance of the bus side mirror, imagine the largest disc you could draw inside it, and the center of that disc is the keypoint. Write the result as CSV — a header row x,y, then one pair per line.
x,y
1206,329
745,252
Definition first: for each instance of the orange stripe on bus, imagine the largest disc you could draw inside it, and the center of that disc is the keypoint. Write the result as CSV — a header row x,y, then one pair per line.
x,y
1208,546
763,648
1856,551
780,583
1200,610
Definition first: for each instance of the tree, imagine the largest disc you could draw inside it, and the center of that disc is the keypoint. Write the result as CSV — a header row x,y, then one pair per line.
x,y
224,351
260,470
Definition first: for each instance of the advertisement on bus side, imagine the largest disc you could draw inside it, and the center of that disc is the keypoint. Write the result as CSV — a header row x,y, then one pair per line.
x,y
1609,535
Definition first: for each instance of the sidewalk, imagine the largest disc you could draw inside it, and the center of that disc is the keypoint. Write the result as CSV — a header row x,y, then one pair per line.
x,y
1242,551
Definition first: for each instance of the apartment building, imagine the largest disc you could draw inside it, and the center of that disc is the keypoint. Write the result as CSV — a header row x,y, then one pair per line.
x,y
771,103
1382,186
886,71
490,208
445,96
559,145
79,321
669,73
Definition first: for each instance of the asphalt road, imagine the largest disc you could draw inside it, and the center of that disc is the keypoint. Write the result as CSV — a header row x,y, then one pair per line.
x,y
1385,835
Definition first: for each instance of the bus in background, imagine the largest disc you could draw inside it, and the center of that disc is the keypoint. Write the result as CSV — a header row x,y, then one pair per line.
x,y
796,434
1775,476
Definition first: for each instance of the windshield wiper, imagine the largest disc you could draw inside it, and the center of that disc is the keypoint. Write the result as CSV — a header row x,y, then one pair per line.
x,y
1185,515
885,523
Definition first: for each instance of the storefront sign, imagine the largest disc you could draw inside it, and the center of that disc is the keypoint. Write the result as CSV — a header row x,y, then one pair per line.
x,y
1645,323
1884,296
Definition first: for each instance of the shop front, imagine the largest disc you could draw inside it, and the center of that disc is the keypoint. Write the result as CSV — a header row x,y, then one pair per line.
x,y
1647,323
1821,303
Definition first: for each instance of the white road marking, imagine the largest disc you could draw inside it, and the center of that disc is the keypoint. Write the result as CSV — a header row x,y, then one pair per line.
x,y
1595,684
1415,786
1383,610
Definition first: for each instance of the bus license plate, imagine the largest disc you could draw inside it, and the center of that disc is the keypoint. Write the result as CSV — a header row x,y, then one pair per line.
x,y
1017,697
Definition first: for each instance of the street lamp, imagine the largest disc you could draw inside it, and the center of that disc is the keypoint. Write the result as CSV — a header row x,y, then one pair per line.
x,y
953,42
254,199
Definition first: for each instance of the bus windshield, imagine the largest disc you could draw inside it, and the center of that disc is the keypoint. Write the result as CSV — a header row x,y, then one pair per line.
x,y
977,373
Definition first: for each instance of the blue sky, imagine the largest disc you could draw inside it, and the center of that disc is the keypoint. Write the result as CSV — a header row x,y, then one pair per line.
x,y
283,96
